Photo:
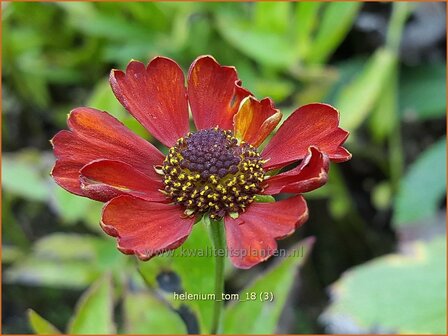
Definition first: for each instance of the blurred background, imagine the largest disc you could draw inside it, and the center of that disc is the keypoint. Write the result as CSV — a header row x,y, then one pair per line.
x,y
379,261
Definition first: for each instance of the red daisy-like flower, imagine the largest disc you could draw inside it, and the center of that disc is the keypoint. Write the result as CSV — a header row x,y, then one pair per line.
x,y
153,201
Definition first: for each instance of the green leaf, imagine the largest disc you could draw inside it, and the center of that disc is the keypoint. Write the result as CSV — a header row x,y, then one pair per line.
x,y
67,246
145,314
272,16
397,293
266,47
346,71
276,88
357,99
54,256
92,22
306,18
193,262
40,325
71,208
94,311
423,91
23,178
40,272
423,187
334,25
261,316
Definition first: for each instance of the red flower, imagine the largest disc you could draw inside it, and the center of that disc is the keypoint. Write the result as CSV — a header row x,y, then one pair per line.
x,y
153,200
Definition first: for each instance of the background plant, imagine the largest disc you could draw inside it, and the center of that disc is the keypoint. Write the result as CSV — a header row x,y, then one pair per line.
x,y
380,219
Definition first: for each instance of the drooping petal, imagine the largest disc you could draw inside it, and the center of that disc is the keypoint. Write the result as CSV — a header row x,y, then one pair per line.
x,y
310,125
156,96
97,135
251,237
255,120
103,180
214,93
66,174
310,174
145,228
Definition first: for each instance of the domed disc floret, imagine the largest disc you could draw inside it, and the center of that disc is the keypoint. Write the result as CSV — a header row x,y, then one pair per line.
x,y
210,171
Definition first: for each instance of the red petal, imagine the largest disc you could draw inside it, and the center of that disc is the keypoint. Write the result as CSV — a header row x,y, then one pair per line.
x,y
66,174
310,125
214,93
155,96
145,228
251,237
97,135
310,174
103,180
255,120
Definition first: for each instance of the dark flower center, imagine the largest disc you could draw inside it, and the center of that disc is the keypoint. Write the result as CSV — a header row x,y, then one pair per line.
x,y
209,171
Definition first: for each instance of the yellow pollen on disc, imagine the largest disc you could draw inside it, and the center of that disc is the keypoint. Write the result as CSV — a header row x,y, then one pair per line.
x,y
211,172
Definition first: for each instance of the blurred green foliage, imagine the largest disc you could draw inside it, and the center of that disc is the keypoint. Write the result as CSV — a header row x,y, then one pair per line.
x,y
419,269
56,56
411,206
40,325
261,303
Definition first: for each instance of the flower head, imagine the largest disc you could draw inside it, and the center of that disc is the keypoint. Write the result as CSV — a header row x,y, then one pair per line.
x,y
153,200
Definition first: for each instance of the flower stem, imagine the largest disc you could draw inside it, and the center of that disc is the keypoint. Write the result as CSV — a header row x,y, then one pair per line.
x,y
217,234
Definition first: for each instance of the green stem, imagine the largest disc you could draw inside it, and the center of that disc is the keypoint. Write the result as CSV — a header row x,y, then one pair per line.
x,y
400,13
217,234
396,159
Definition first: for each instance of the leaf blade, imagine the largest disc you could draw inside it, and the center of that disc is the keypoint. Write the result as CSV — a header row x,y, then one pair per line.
x,y
386,302
40,325
335,23
357,99
145,314
94,310
261,317
422,187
